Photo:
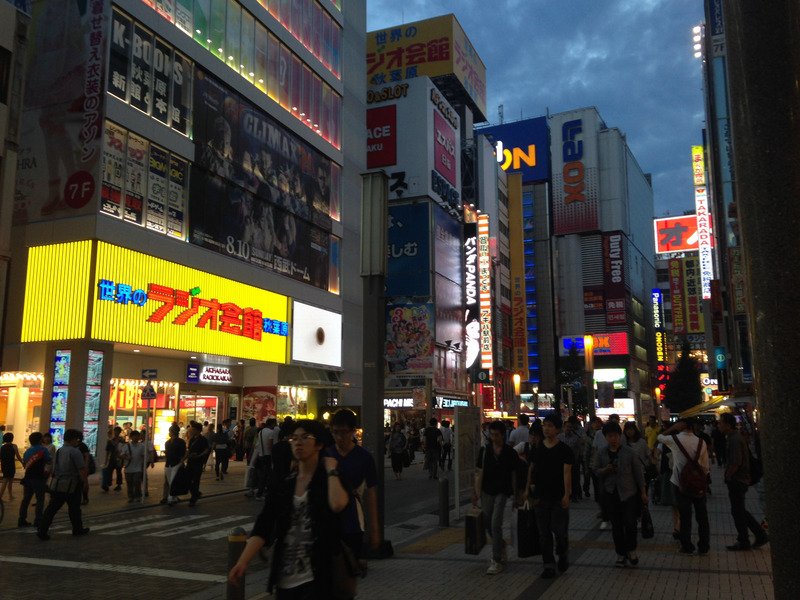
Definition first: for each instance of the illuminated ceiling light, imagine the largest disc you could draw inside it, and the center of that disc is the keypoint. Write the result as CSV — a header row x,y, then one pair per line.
x,y
229,58
198,31
698,54
240,363
696,29
697,46
252,74
696,38
137,350
260,81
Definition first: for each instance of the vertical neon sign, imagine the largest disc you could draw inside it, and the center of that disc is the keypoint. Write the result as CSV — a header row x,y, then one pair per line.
x,y
485,279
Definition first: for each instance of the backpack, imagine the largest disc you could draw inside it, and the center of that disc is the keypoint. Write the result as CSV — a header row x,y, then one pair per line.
x,y
756,468
692,480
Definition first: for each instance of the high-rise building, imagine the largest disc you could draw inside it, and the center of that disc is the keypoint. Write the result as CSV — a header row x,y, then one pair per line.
x,y
186,214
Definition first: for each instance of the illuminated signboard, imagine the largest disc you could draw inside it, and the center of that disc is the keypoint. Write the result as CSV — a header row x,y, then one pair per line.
x,y
692,292
398,403
485,288
658,325
382,136
434,47
442,402
698,165
676,294
209,374
142,300
522,147
316,335
472,329
704,240
604,343
619,377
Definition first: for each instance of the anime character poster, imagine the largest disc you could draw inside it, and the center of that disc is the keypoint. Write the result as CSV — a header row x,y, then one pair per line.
x,y
61,131
409,338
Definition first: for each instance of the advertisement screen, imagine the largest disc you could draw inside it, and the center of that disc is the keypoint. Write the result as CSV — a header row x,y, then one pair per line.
x,y
409,259
316,335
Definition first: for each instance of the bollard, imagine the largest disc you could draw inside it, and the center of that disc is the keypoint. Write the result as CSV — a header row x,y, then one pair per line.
x,y
237,540
444,502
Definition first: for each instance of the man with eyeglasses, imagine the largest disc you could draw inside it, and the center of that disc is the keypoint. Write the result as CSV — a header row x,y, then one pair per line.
x,y
357,470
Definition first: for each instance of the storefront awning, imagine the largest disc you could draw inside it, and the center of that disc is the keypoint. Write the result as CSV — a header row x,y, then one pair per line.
x,y
713,405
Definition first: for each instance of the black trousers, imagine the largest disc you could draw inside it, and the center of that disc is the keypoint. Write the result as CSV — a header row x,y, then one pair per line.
x,y
57,500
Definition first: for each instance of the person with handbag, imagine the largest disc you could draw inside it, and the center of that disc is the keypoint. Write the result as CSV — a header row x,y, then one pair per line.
x,y
496,482
621,475
174,451
70,478
302,518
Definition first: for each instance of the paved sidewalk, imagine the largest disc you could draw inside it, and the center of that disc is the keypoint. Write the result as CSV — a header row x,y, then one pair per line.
x,y
430,562
101,503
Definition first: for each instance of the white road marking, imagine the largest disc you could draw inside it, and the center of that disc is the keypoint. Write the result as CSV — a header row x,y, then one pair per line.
x,y
196,526
125,530
149,571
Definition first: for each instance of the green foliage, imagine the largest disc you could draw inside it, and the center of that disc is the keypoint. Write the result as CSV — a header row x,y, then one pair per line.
x,y
684,389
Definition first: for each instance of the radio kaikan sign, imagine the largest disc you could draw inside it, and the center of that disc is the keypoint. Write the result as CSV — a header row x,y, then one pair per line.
x,y
226,317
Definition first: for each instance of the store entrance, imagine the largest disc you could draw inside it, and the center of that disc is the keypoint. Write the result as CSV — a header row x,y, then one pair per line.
x,y
201,407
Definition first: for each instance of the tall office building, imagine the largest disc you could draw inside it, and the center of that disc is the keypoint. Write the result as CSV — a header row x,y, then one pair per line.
x,y
186,214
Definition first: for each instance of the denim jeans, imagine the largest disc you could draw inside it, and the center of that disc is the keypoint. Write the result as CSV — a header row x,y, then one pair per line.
x,y
493,508
742,519
552,520
685,505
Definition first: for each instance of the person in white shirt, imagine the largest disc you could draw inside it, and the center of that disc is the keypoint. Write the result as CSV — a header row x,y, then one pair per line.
x,y
681,434
520,434
134,454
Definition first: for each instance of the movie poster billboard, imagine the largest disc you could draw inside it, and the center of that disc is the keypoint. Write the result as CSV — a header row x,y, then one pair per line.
x,y
409,338
258,193
61,129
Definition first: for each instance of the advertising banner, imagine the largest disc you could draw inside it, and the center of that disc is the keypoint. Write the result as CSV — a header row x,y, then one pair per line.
x,y
444,149
472,323
433,47
61,129
136,178
676,234
522,147
614,277
157,189
113,170
409,258
485,292
382,136
259,403
409,338
258,193
575,171
447,246
519,308
738,284
693,293
676,296
178,182
704,247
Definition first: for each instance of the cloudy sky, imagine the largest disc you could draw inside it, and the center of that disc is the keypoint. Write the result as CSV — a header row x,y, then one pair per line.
x,y
632,59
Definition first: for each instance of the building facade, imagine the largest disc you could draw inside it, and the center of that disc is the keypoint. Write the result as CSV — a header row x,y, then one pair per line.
x,y
186,214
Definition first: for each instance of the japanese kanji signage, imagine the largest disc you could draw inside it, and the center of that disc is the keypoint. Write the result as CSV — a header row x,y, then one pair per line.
x,y
433,47
139,299
485,292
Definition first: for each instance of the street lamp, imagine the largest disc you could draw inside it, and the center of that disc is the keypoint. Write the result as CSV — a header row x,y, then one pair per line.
x,y
588,355
516,393
536,402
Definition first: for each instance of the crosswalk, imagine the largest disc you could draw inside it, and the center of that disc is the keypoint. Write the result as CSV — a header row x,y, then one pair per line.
x,y
196,526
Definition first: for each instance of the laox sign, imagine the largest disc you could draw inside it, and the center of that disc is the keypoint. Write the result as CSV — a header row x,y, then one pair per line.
x,y
572,153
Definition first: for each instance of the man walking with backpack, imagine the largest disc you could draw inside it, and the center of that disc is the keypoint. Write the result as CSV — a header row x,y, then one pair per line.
x,y
689,478
738,478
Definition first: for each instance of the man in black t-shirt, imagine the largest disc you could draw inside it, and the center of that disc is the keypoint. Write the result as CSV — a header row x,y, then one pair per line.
x,y
432,445
550,472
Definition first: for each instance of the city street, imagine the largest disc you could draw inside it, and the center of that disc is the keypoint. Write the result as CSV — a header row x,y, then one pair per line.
x,y
180,552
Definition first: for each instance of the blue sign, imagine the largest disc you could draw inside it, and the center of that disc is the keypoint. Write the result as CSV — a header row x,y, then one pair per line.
x,y
409,252
192,373
522,147
721,357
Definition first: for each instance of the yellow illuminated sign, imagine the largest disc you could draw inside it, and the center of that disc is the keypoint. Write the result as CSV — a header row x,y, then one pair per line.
x,y
432,47
698,165
142,300
55,305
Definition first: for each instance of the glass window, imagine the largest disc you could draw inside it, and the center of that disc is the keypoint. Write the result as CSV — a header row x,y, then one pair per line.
x,y
275,8
335,106
273,67
286,14
308,15
336,190
297,19
165,8
217,28
248,47
333,272
336,42
183,15
261,57
326,39
316,104
326,112
305,102
316,31
233,35
202,18
296,84
285,77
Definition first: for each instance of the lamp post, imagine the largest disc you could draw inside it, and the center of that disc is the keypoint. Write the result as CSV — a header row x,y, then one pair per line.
x,y
536,402
517,399
588,355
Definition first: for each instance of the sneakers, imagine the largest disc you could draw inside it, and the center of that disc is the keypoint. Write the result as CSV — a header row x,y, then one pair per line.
x,y
633,559
620,562
548,573
494,567
739,547
760,542
83,531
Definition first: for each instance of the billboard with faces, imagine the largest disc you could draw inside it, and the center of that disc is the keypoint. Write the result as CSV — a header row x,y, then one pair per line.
x,y
258,193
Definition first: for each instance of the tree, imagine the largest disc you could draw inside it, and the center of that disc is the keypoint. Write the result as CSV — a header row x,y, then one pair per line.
x,y
684,389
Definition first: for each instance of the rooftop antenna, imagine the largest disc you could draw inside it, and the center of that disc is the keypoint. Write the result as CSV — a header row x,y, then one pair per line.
x,y
500,113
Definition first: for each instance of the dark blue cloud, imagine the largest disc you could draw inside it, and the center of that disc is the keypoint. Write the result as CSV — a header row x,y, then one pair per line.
x,y
632,59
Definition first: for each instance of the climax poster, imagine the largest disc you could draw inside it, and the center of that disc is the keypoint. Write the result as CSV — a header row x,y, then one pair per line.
x,y
258,193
